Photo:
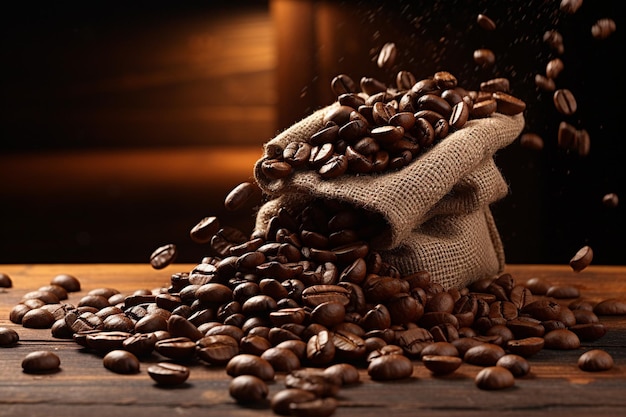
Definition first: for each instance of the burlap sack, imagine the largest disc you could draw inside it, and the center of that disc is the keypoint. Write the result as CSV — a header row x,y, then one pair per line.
x,y
437,207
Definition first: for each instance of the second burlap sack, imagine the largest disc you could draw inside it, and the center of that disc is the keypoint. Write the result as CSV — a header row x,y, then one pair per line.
x,y
437,207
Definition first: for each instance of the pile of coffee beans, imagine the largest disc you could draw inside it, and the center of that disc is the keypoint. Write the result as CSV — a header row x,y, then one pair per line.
x,y
309,301
376,128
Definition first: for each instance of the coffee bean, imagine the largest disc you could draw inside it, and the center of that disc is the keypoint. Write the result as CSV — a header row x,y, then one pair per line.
x,y
168,374
314,380
484,57
603,28
570,6
486,354
494,378
565,102
8,337
121,362
283,400
204,230
346,373
563,291
239,195
537,286
405,80
246,364
561,339
508,104
41,361
516,364
485,22
589,331
610,307
595,360
531,141
582,259
390,367
387,55
163,256
555,40
525,347
554,68
281,359
319,407
5,281
69,282
610,200
495,85
297,154
544,83
441,364
343,84
247,389
276,169
38,318
320,348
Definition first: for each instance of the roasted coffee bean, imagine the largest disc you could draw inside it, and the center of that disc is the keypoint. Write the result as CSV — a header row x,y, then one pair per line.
x,y
168,374
387,55
8,337
204,230
121,362
5,281
516,364
297,154
281,359
485,354
413,340
371,86
582,259
508,104
57,290
346,373
495,85
441,364
561,339
610,200
555,40
240,195
163,256
276,169
106,341
320,348
405,80
69,282
565,102
247,389
246,364
603,28
537,286
37,318
140,344
544,83
217,349
484,57
390,367
319,407
282,402
595,360
563,291
610,307
176,348
554,68
525,347
41,361
484,108
46,297
335,167
589,331
494,378
531,141
485,22
570,6
543,309
343,84
314,380
439,349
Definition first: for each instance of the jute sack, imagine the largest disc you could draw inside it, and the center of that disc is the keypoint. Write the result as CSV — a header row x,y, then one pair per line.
x,y
437,207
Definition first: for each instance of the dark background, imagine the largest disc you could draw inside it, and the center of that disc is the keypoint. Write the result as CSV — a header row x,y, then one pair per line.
x,y
112,111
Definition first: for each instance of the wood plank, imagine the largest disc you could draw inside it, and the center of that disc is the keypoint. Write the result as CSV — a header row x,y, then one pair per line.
x,y
555,386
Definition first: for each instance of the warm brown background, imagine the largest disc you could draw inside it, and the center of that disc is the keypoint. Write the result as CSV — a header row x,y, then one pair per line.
x,y
124,123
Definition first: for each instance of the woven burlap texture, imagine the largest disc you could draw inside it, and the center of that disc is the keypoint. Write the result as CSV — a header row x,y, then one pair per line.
x,y
437,207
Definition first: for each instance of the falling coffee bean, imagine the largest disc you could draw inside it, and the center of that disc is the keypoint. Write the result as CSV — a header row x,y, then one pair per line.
x,y
163,256
581,259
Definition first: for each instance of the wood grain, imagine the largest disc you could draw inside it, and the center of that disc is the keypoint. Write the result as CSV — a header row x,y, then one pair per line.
x,y
554,387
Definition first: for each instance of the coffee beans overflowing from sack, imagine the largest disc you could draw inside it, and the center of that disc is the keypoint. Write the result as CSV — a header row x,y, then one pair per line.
x,y
376,128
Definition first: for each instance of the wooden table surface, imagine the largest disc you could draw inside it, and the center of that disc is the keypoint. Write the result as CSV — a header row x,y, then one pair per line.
x,y
83,387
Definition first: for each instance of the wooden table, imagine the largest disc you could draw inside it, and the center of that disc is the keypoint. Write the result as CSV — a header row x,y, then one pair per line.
x,y
83,387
